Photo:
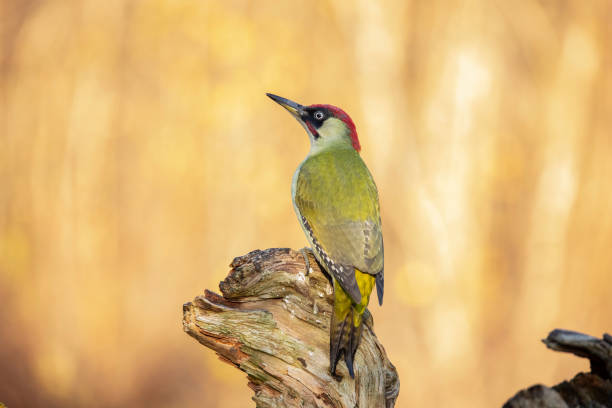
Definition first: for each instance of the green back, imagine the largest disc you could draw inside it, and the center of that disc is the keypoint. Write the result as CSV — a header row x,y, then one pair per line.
x,y
336,195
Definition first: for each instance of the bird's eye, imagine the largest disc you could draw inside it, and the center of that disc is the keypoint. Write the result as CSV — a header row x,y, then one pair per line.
x,y
319,115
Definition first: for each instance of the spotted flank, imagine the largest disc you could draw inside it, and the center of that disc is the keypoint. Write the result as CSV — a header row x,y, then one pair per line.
x,y
343,273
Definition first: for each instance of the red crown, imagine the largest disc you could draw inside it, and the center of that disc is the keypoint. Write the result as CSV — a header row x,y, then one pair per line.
x,y
343,116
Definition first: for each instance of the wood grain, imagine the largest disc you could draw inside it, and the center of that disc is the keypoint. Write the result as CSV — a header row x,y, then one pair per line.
x,y
272,322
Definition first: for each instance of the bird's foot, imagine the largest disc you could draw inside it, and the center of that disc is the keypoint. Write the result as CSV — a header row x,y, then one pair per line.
x,y
367,318
305,252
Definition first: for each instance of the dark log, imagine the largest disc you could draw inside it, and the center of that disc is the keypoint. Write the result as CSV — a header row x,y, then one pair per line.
x,y
586,390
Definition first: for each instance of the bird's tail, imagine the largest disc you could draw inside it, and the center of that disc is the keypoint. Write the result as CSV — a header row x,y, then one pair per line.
x,y
346,323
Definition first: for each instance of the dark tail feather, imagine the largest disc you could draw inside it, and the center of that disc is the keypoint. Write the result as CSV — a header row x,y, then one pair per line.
x,y
380,286
345,338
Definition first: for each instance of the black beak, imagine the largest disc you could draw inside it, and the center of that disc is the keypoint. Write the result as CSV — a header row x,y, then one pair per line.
x,y
294,108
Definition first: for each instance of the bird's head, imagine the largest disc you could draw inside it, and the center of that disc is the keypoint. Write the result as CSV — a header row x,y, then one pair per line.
x,y
325,124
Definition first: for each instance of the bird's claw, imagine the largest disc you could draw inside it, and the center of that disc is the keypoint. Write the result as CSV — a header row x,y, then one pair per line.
x,y
306,260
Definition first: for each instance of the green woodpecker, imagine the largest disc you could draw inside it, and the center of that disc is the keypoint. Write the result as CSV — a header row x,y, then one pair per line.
x,y
336,202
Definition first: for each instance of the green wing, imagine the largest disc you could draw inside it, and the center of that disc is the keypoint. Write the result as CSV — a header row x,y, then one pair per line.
x,y
337,201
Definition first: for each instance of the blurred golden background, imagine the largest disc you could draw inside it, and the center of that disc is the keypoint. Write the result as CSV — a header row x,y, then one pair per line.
x,y
139,155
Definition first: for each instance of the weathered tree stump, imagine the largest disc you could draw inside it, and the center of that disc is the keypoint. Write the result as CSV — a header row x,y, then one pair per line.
x,y
586,390
272,322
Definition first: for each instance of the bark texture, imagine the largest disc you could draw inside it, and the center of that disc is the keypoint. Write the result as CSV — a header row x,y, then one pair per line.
x,y
586,390
272,322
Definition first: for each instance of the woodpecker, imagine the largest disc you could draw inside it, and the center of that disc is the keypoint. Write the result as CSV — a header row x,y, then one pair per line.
x,y
336,202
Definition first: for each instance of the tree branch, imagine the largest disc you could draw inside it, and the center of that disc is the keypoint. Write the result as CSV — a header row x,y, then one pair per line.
x,y
272,322
592,390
